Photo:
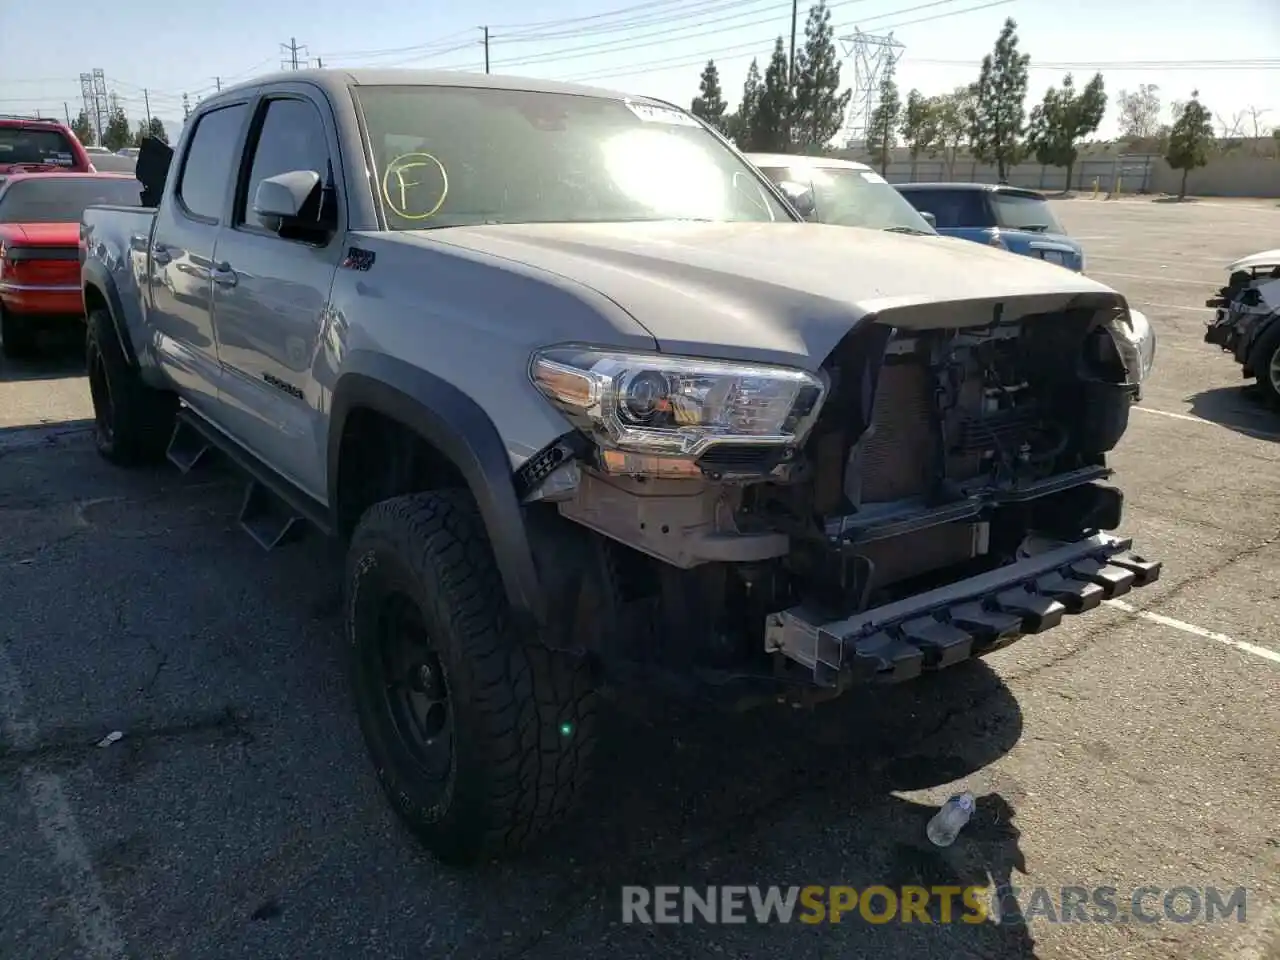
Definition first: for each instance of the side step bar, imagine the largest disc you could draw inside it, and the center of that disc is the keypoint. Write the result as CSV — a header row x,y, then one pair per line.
x,y
273,511
971,617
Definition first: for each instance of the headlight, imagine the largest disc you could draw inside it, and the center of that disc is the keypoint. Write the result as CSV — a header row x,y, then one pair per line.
x,y
677,406
1135,339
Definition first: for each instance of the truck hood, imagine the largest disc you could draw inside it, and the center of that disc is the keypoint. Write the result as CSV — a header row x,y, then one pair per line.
x,y
786,292
40,234
1267,258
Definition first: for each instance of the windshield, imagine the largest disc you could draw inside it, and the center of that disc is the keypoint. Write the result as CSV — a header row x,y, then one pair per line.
x,y
23,145
1019,211
454,156
62,197
850,197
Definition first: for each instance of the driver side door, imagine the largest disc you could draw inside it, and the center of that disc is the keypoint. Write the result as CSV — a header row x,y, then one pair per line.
x,y
271,294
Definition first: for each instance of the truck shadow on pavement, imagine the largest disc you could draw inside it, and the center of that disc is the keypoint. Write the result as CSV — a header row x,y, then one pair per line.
x,y
1242,409
783,797
60,355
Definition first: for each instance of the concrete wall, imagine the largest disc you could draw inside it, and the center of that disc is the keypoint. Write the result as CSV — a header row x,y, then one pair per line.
x,y
1232,175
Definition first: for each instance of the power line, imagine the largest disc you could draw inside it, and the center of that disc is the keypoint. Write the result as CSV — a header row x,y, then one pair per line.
x,y
690,59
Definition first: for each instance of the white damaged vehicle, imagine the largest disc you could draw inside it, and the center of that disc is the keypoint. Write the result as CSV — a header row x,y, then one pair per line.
x,y
1246,323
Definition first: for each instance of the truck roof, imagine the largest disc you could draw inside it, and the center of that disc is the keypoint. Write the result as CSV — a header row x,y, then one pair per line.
x,y
976,187
335,82
792,160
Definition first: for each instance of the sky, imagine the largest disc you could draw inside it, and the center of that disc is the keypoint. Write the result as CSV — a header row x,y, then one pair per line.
x,y
1228,50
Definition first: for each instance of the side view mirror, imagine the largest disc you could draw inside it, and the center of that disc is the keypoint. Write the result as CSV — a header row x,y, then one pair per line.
x,y
800,197
287,198
929,218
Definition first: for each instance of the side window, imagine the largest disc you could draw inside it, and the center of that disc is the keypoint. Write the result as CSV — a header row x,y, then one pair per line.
x,y
291,137
211,161
951,208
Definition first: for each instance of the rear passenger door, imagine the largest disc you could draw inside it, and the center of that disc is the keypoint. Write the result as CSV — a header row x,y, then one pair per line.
x,y
271,292
182,249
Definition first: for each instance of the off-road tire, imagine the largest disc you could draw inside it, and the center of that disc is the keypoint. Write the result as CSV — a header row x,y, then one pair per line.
x,y
523,716
133,422
17,336
1261,358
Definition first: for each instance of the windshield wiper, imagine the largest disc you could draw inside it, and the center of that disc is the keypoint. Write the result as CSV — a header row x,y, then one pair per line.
x,y
911,230
1035,228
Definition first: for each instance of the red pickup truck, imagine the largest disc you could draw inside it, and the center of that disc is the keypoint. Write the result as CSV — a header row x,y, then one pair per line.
x,y
40,248
30,145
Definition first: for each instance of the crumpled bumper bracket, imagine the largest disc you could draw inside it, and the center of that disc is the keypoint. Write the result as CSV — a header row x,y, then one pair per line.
x,y
971,617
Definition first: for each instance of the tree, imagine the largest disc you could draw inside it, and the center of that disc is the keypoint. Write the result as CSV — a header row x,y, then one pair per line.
x,y
158,131
709,104
919,126
998,112
117,134
741,125
1062,119
1190,140
953,112
769,125
883,125
1139,112
819,107
82,127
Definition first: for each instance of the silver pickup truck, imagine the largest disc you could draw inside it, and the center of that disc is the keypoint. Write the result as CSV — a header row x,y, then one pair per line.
x,y
592,405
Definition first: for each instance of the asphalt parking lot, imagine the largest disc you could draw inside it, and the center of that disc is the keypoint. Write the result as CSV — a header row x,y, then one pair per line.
x,y
237,816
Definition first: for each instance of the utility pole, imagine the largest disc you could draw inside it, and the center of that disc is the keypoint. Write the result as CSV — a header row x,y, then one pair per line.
x,y
146,101
791,69
186,107
217,82
486,48
319,64
66,110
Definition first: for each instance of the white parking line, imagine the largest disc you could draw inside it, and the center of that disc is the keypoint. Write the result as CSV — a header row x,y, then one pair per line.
x,y
94,923
1247,431
1195,631
1171,306
1164,262
1150,278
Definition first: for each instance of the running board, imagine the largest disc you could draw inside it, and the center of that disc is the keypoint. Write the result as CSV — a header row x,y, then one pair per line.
x,y
187,446
267,518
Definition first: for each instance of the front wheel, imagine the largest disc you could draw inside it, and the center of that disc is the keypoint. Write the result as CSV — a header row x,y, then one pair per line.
x,y
481,739
1265,362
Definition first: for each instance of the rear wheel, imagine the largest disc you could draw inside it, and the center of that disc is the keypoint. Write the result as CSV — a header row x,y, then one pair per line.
x,y
132,421
480,738
1264,360
17,335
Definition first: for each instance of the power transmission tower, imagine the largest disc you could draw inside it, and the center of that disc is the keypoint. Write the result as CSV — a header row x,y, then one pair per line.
x,y
871,56
293,48
186,107
100,99
90,104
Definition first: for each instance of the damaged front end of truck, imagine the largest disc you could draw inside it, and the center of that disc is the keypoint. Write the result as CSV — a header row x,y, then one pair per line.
x,y
934,491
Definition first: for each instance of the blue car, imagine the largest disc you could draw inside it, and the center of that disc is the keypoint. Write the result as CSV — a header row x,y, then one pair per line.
x,y
1011,218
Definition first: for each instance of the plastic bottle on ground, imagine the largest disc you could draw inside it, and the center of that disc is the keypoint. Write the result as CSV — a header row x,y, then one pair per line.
x,y
950,819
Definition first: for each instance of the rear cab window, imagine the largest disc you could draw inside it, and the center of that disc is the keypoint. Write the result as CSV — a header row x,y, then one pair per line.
x,y
211,160
25,145
952,209
1024,211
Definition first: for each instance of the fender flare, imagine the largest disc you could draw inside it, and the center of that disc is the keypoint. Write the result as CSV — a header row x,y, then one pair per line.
x,y
94,274
459,428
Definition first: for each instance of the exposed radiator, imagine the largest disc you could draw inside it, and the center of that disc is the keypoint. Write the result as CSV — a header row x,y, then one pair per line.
x,y
897,458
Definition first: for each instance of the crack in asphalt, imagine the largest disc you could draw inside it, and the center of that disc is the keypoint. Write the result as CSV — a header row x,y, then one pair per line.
x,y
70,744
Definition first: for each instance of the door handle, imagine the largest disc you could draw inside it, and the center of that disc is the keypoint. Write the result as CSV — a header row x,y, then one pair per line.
x,y
223,275
160,254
